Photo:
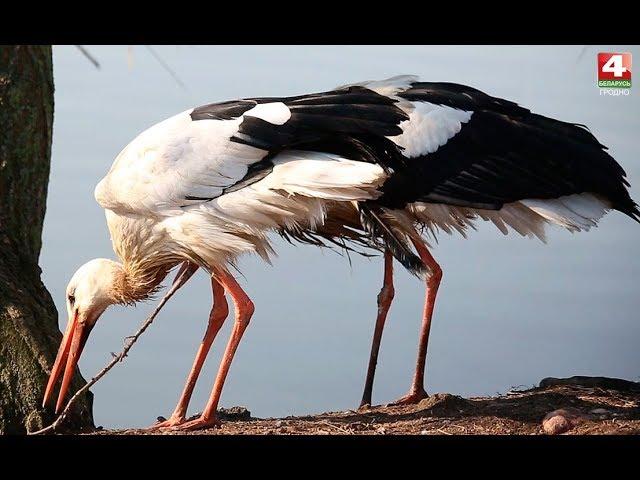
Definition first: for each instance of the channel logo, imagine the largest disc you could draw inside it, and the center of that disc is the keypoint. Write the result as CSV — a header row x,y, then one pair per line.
x,y
614,70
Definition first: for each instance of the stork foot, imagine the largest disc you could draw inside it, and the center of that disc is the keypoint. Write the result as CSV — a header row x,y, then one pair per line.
x,y
411,398
198,424
170,423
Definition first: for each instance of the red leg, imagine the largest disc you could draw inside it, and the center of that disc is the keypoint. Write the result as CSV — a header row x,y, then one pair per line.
x,y
243,311
417,391
384,303
219,312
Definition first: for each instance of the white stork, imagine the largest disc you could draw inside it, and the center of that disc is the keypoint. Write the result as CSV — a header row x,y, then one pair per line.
x,y
376,163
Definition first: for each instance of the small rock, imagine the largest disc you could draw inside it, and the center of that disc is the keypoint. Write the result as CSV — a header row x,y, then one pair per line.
x,y
563,419
424,432
279,423
381,430
556,425
600,411
234,413
442,403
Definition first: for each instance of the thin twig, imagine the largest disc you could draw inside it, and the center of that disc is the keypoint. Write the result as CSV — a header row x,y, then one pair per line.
x,y
90,57
166,66
178,282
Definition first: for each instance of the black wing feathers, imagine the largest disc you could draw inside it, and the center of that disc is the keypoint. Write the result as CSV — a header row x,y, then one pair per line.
x,y
331,118
460,97
223,110
504,154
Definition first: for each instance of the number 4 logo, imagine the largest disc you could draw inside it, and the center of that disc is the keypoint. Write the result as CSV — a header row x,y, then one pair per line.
x,y
614,65
614,70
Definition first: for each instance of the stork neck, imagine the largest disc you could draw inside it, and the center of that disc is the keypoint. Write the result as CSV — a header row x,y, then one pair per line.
x,y
139,282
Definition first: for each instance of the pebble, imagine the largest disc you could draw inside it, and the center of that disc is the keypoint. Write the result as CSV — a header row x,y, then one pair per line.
x,y
561,420
600,411
556,425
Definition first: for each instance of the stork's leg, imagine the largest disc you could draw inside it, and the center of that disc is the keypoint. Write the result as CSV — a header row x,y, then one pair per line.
x,y
417,391
243,311
384,303
219,312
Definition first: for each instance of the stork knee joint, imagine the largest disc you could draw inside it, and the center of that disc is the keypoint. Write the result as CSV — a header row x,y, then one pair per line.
x,y
436,275
386,295
245,312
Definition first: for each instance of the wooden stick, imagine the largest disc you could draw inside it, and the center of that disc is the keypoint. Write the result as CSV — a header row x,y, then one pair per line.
x,y
183,275
90,57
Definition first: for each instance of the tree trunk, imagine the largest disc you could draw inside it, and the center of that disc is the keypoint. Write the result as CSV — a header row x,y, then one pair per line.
x,y
29,335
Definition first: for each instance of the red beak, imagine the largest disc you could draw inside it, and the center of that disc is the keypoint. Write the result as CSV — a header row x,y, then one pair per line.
x,y
68,355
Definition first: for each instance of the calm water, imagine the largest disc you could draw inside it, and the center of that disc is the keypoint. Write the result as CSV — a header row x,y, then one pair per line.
x,y
511,310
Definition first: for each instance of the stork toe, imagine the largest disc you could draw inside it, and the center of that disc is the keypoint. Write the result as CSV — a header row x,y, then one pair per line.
x,y
169,423
198,424
411,398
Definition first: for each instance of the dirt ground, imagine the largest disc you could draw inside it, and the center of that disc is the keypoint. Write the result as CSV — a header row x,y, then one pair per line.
x,y
593,405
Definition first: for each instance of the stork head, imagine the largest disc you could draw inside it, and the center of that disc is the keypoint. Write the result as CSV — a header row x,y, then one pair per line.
x,y
91,290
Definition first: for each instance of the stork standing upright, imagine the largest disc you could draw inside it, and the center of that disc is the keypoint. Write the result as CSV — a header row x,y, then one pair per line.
x,y
374,163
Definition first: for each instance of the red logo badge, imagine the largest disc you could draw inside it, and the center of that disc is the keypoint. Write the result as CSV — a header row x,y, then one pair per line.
x,y
614,70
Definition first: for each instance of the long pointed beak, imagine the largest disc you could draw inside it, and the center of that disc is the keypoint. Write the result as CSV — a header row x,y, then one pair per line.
x,y
69,353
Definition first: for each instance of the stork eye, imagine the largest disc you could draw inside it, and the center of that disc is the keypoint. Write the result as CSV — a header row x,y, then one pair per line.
x,y
72,299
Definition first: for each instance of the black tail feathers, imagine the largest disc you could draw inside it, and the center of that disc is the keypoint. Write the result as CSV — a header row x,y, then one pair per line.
x,y
632,212
373,223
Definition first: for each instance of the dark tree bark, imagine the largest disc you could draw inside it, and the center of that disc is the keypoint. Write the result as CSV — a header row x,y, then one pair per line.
x,y
29,334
